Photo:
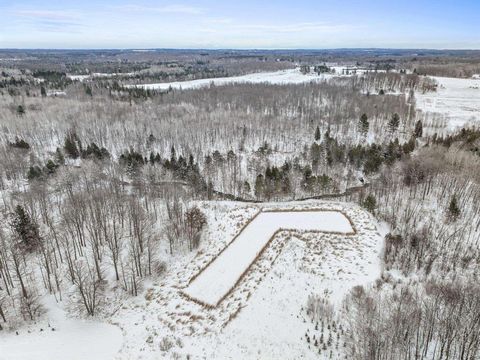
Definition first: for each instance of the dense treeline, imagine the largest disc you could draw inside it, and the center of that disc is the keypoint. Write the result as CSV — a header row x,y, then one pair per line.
x,y
392,82
238,119
432,320
455,69
426,303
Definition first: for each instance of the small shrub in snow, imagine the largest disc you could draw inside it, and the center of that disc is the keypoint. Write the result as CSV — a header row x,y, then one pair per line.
x,y
165,344
370,203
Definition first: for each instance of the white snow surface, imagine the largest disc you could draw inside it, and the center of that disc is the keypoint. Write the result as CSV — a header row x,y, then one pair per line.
x,y
216,280
273,325
290,76
71,339
457,100
263,316
96,75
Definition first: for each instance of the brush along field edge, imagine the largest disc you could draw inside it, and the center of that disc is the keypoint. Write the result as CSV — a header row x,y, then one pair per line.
x,y
220,276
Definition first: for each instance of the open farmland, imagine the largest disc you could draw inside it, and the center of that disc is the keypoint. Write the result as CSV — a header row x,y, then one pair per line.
x,y
290,76
455,103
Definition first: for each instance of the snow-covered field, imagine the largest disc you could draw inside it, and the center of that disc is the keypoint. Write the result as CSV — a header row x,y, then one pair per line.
x,y
163,323
216,280
290,76
97,75
456,100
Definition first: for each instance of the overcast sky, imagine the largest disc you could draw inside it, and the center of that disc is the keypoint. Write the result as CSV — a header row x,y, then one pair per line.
x,y
240,24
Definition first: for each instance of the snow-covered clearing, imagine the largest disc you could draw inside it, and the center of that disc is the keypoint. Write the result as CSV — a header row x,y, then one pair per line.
x,y
290,76
456,100
220,276
97,75
58,337
321,247
163,323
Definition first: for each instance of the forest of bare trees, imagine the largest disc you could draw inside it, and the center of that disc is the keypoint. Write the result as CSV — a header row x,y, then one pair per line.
x,y
425,305
97,185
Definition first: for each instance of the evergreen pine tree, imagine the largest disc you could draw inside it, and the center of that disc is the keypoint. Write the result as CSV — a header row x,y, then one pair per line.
x,y
364,124
394,123
70,146
418,132
259,186
210,190
453,209
25,229
59,158
34,172
50,167
152,158
20,110
173,156
246,188
370,203
317,134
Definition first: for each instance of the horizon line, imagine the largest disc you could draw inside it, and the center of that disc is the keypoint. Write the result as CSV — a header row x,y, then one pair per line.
x,y
239,48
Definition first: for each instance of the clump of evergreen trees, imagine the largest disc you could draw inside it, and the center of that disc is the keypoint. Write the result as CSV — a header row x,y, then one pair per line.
x,y
180,167
20,144
468,139
25,230
74,149
36,172
274,183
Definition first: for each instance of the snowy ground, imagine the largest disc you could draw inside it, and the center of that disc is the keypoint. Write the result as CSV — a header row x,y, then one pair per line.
x,y
290,76
60,337
216,280
97,75
262,316
457,101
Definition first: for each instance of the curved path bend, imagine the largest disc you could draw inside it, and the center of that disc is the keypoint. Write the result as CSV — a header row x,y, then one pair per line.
x,y
211,285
